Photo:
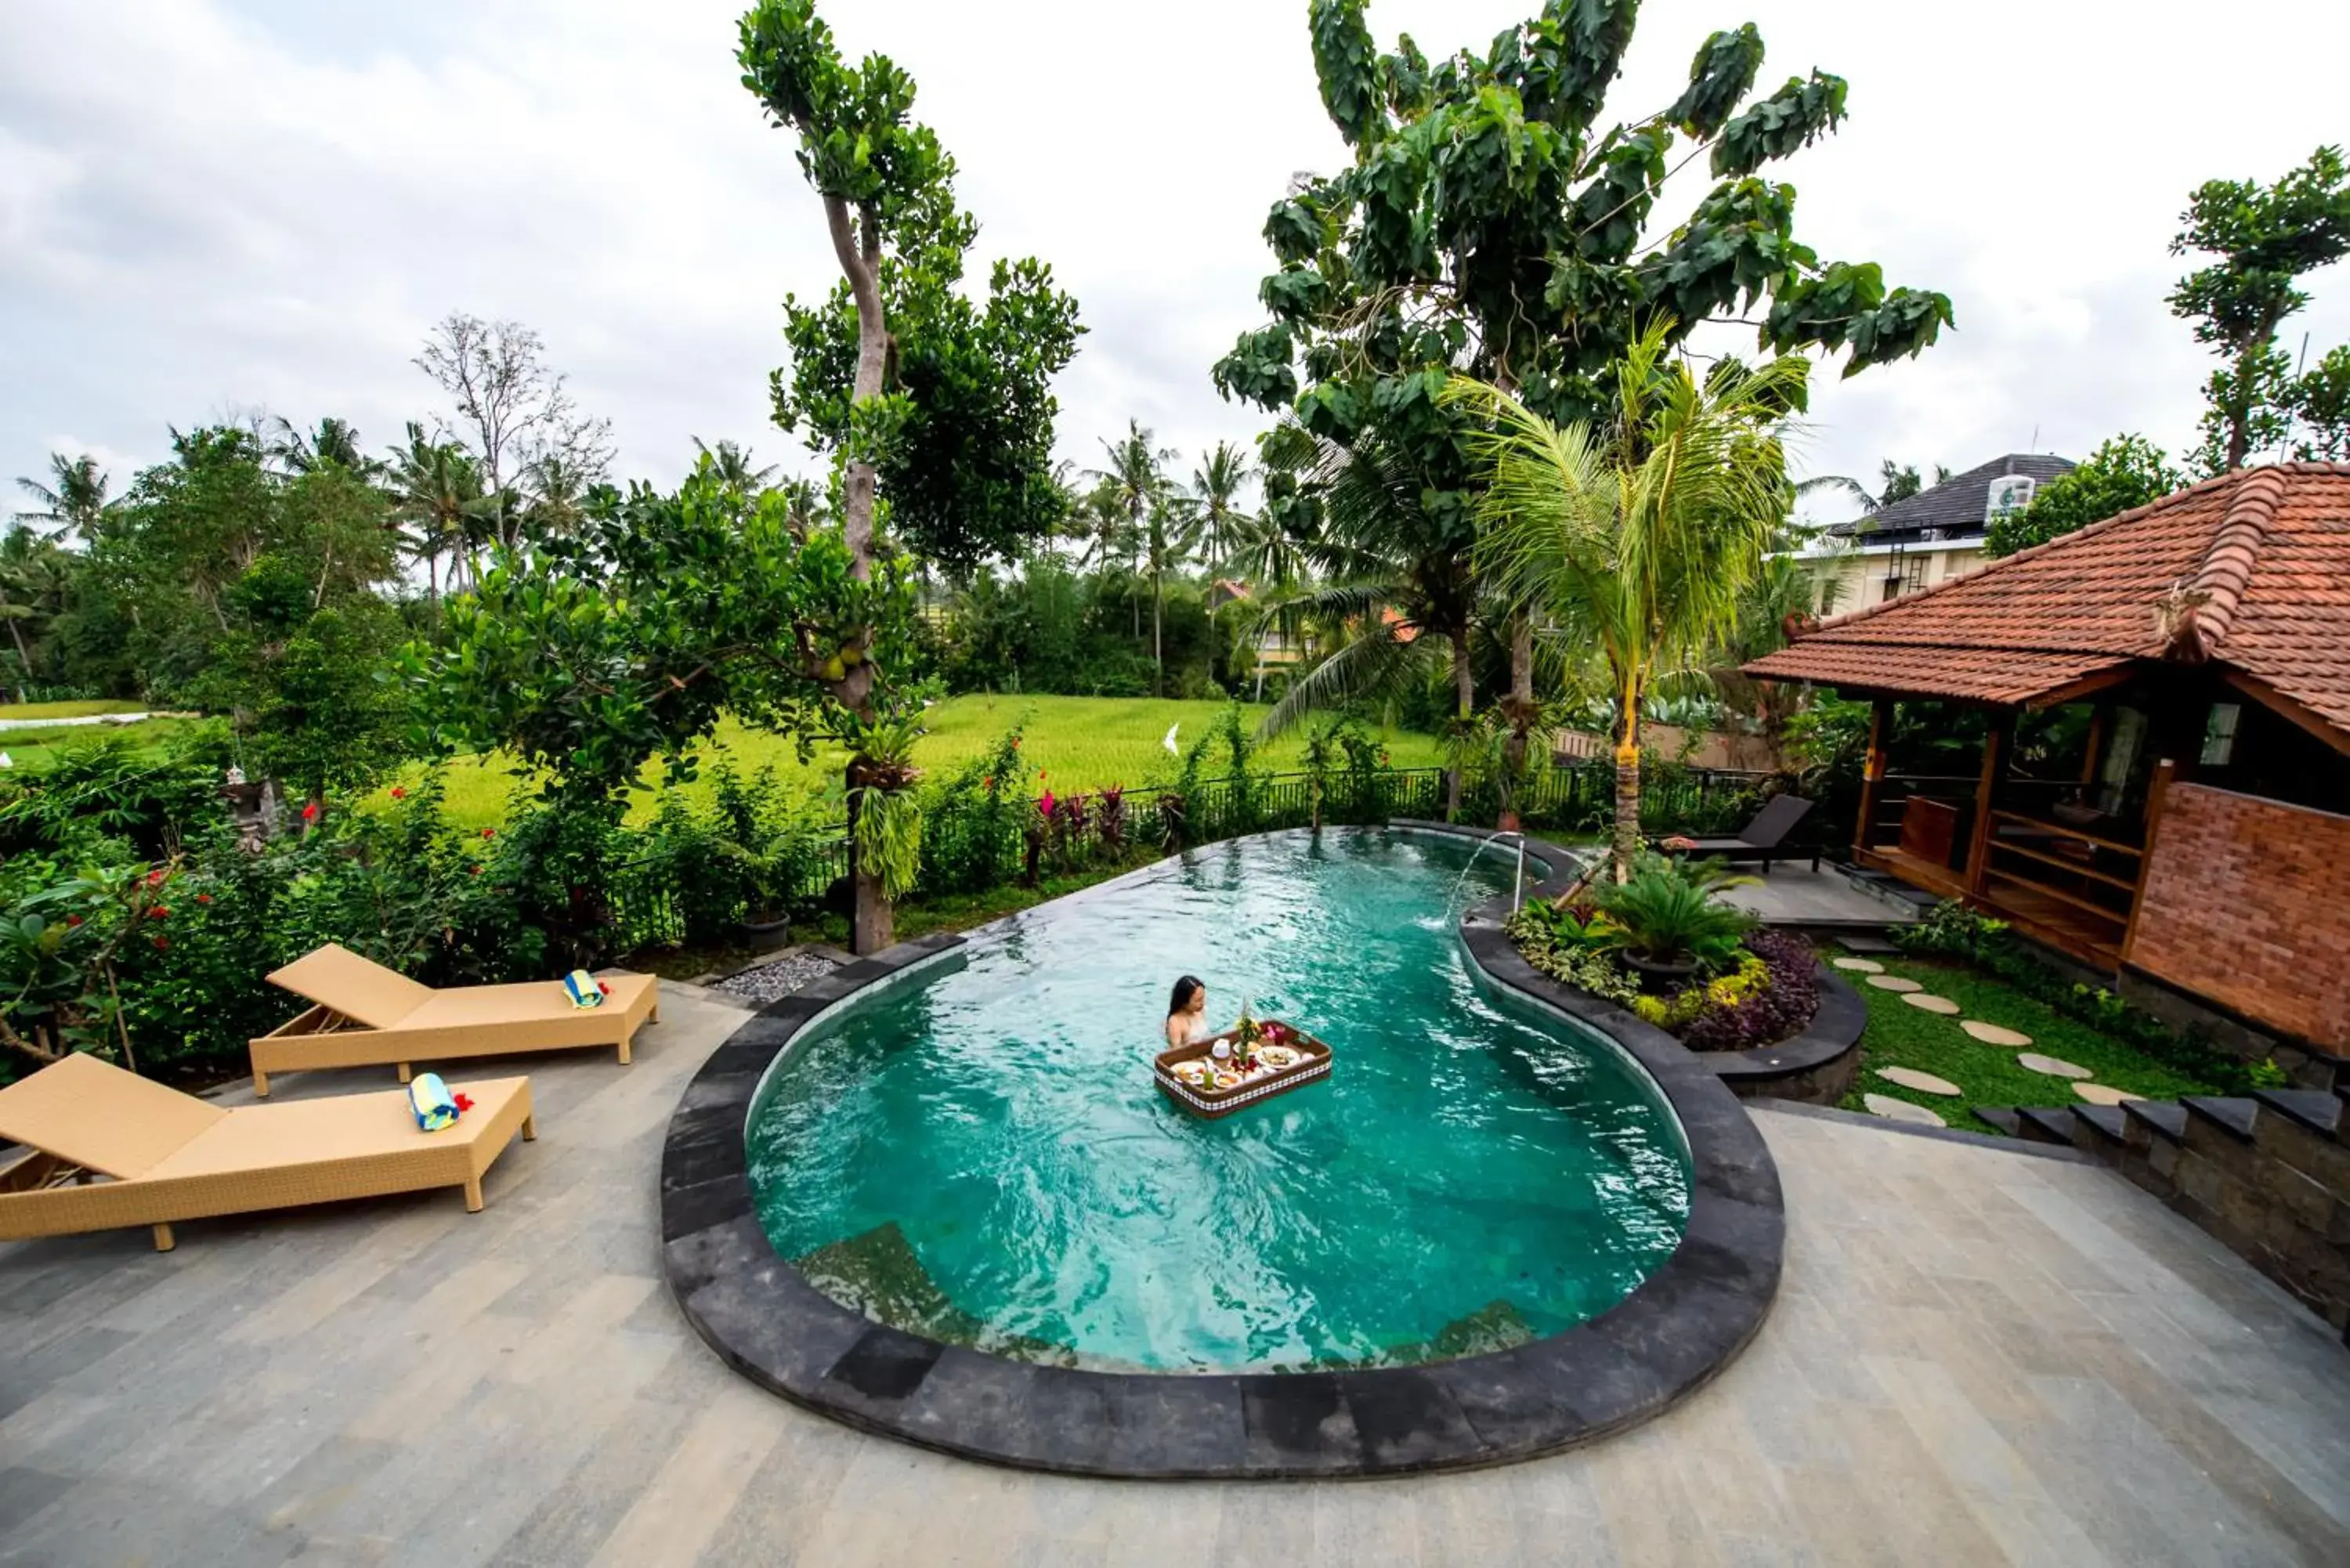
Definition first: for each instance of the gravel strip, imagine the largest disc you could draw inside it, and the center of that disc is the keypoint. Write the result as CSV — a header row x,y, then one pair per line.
x,y
774,982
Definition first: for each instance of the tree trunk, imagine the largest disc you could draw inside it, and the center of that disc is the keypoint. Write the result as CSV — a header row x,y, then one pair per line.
x,y
1522,714
1464,705
859,248
1628,777
1157,644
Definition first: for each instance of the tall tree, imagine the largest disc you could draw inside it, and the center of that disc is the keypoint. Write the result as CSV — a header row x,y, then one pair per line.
x,y
1133,474
74,501
1644,535
512,411
437,496
2321,409
2265,238
1495,224
736,467
1216,486
1171,531
927,401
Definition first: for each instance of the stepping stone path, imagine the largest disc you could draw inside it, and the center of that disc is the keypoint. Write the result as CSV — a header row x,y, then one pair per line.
x,y
2031,1061
1924,1002
1859,966
1924,1083
1894,1110
1893,982
1992,1035
2103,1093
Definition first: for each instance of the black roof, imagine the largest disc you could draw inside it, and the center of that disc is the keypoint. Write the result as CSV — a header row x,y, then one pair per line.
x,y
1957,507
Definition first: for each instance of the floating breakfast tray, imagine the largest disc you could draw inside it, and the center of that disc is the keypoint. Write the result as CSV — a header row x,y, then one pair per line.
x,y
1205,1099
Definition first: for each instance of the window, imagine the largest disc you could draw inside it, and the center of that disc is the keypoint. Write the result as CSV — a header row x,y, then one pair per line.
x,y
2219,734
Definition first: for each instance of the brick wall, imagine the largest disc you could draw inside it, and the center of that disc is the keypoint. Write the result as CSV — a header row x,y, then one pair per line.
x,y
2247,903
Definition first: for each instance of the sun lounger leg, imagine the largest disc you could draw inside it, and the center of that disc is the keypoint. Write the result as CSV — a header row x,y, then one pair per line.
x,y
473,1195
260,1084
624,1051
164,1240
530,1129
406,1072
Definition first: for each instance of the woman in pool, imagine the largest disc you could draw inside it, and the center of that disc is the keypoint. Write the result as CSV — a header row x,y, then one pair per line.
x,y
1186,1013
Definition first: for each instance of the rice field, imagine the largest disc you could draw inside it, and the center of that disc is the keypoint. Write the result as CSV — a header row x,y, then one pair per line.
x,y
1078,743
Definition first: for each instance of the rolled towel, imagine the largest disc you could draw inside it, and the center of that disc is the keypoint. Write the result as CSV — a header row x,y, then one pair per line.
x,y
433,1105
584,989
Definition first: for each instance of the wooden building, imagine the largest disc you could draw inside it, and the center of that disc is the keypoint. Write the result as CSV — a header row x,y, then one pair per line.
x,y
2201,843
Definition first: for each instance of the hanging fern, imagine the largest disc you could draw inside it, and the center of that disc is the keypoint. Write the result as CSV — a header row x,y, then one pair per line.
x,y
889,837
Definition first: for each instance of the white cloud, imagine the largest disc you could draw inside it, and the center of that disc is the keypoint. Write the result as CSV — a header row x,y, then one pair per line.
x,y
207,206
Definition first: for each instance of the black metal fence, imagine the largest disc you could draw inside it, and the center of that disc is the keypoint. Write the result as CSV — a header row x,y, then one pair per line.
x,y
970,846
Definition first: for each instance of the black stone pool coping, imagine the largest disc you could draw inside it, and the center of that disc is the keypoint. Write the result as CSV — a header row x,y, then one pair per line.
x,y
1683,1324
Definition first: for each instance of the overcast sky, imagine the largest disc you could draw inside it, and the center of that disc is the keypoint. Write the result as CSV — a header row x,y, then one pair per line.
x,y
209,206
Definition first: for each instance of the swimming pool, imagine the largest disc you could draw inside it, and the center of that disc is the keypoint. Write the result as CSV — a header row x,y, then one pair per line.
x,y
976,1153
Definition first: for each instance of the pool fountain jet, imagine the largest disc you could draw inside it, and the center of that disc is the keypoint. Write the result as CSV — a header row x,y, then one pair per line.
x,y
1517,885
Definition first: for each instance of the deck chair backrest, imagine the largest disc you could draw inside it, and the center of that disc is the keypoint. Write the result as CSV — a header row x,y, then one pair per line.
x,y
100,1117
1775,821
357,988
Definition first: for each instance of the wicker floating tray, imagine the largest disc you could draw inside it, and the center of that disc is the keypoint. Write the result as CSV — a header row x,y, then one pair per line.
x,y
1208,1103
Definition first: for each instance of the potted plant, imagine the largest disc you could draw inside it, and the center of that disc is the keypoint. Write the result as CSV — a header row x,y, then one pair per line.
x,y
1666,926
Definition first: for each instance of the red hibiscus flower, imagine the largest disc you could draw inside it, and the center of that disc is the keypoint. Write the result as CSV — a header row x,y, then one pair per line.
x,y
159,913
162,942
310,812
397,793
203,898
489,833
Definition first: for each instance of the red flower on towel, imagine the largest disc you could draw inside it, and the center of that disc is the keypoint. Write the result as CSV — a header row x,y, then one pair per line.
x,y
602,987
464,1102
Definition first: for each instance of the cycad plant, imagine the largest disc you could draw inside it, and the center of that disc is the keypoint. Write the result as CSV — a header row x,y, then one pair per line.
x,y
1640,537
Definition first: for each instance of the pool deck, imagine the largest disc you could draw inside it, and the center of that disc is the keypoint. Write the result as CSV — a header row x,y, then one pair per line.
x,y
1979,1356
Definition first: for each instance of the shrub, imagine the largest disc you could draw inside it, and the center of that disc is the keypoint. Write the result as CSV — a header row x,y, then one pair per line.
x,y
1776,1006
1665,913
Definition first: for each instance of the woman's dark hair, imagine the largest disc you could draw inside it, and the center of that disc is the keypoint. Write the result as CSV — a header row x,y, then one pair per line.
x,y
1185,990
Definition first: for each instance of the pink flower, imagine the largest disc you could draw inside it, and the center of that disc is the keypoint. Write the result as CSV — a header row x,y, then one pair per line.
x,y
1046,805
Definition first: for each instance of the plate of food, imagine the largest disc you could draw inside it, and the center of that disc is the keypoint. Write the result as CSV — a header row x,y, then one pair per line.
x,y
1242,1066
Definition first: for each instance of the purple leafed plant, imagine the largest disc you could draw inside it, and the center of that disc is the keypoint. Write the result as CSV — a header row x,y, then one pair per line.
x,y
1776,1012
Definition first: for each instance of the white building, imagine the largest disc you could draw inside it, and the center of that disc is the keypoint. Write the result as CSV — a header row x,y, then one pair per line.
x,y
1931,537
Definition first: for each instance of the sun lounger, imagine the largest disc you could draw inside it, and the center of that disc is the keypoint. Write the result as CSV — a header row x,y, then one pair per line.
x,y
1764,839
368,1015
173,1157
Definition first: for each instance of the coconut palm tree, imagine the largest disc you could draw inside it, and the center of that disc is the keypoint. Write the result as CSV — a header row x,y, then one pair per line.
x,y
1643,537
74,501
734,468
1394,583
1134,479
436,493
1171,531
335,440
1216,485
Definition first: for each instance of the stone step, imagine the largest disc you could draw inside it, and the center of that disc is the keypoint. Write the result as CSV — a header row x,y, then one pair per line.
x,y
2001,1118
2320,1112
2232,1116
1866,946
2046,1124
2105,1121
2166,1117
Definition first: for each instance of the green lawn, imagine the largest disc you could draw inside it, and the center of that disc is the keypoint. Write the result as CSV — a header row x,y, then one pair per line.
x,y
1080,743
14,710
1905,1036
35,748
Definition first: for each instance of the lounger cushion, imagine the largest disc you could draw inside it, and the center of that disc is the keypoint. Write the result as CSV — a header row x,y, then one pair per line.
x,y
488,1006
91,1114
357,988
333,1131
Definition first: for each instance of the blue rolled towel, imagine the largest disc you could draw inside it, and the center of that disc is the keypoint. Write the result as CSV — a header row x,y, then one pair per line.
x,y
584,989
433,1105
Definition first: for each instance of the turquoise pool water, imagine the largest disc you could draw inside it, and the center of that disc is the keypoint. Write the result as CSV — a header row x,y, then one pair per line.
x,y
977,1152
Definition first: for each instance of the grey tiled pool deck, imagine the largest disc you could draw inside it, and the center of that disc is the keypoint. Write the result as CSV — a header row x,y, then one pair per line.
x,y
1977,1357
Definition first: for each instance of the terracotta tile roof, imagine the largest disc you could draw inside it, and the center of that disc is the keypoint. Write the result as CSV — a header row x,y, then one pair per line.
x,y
2250,570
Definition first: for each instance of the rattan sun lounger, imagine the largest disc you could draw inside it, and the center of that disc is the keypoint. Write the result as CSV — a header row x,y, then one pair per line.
x,y
173,1157
369,1017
